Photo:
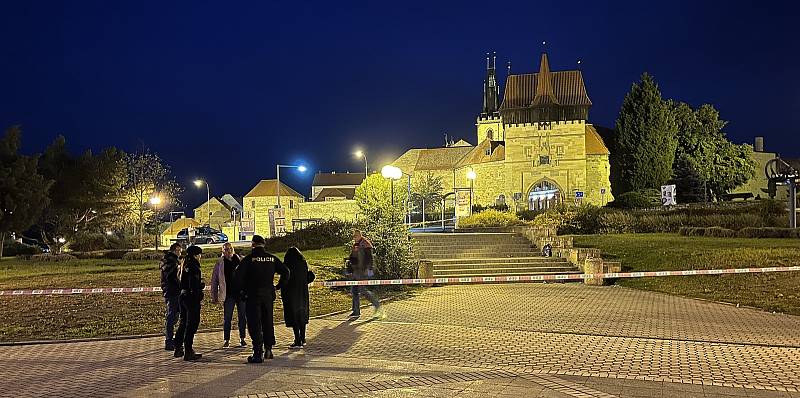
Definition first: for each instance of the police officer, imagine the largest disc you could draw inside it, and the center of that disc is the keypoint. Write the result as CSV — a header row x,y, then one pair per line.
x,y
170,285
192,286
256,274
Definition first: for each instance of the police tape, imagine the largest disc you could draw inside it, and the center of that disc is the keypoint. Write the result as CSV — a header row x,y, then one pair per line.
x,y
435,281
552,277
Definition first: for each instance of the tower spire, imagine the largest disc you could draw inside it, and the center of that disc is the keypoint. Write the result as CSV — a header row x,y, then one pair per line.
x,y
544,84
490,88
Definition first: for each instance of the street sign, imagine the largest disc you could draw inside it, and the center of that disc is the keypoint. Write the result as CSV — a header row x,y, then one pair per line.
x,y
578,194
668,195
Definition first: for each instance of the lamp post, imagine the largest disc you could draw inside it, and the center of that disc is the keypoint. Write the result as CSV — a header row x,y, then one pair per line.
x,y
299,168
471,177
392,173
361,154
155,201
199,183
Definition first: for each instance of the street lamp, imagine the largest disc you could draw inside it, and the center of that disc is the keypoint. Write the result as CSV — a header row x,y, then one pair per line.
x,y
199,183
471,177
395,173
299,168
361,154
155,201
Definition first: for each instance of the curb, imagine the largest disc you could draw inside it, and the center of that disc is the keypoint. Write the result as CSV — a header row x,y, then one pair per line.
x,y
151,335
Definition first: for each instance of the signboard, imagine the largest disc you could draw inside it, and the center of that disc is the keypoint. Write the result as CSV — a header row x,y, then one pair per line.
x,y
277,222
463,208
668,195
578,194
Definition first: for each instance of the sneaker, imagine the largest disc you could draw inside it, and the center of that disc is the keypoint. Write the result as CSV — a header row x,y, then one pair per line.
x,y
379,313
169,346
295,345
192,356
269,355
242,343
226,344
354,315
178,352
255,358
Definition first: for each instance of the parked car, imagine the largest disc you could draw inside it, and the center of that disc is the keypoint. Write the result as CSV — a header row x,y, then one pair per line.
x,y
33,242
203,235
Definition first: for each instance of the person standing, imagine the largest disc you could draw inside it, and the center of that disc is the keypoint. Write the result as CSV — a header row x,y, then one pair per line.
x,y
257,273
224,287
170,286
294,295
192,286
360,266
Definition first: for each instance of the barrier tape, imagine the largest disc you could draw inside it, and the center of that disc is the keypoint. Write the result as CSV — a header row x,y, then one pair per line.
x,y
430,281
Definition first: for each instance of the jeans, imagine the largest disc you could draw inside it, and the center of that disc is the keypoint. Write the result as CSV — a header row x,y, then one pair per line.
x,y
228,317
173,308
358,291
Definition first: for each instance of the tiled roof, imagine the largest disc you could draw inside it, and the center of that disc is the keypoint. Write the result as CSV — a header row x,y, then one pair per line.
x,y
594,143
441,158
545,88
478,154
230,202
347,193
332,179
269,188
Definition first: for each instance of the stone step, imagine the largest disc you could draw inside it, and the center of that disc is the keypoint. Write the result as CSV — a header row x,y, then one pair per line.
x,y
492,248
504,271
446,256
538,259
476,244
474,274
497,266
503,268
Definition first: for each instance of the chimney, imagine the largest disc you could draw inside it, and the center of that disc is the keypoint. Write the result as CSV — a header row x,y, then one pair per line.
x,y
759,145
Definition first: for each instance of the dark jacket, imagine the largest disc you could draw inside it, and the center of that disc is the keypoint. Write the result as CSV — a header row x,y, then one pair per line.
x,y
294,293
360,261
192,280
256,274
169,275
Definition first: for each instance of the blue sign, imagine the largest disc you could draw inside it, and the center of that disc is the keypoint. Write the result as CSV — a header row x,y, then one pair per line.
x,y
578,194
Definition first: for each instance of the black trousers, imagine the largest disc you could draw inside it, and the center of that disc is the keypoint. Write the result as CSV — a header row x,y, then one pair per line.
x,y
260,323
190,321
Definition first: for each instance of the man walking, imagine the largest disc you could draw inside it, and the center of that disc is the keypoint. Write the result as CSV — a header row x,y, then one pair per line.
x,y
225,287
360,264
170,287
257,273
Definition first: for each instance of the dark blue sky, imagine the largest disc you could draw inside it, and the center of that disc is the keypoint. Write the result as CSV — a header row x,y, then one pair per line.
x,y
225,92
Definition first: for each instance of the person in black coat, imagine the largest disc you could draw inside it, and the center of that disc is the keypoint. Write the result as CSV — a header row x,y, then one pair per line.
x,y
170,286
257,274
294,295
192,286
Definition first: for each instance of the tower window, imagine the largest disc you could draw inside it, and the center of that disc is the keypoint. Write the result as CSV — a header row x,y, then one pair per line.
x,y
490,134
544,159
560,149
489,151
528,152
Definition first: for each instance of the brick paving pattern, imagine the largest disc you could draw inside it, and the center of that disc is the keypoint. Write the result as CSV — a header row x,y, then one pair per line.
x,y
548,340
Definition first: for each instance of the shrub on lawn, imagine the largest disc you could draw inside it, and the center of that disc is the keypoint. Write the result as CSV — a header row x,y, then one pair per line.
x,y
768,232
88,241
143,255
637,199
330,233
14,248
48,257
719,232
490,218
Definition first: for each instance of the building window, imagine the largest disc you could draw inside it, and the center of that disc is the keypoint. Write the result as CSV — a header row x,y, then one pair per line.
x,y
489,151
544,159
490,134
291,204
528,151
559,149
252,204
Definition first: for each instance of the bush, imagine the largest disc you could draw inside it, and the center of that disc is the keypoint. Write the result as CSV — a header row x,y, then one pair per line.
x,y
768,232
15,248
88,241
143,255
479,208
330,233
490,218
719,232
529,215
637,199
49,257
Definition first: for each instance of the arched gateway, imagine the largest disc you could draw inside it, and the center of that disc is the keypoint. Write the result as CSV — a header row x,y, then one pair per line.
x,y
544,195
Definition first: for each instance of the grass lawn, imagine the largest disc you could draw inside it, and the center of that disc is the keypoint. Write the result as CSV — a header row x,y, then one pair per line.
x,y
778,292
94,315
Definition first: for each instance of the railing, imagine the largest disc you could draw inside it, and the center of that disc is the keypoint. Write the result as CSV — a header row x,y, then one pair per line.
x,y
435,225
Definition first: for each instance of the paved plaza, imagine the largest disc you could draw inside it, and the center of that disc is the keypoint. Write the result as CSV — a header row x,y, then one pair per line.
x,y
525,340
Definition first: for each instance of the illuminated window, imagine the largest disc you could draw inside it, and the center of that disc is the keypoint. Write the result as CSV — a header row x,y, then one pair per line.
x,y
528,152
291,204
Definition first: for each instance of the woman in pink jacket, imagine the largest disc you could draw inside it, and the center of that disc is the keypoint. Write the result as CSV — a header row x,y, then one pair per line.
x,y
225,287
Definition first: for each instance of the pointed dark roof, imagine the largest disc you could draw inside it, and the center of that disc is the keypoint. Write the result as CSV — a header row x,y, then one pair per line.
x,y
564,88
347,193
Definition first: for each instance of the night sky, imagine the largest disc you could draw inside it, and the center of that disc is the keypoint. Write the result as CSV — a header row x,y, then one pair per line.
x,y
224,92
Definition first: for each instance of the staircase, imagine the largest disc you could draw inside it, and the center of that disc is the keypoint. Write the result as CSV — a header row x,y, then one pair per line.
x,y
486,254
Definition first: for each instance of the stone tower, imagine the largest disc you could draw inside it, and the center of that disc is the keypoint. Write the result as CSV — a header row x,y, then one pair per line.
x,y
489,123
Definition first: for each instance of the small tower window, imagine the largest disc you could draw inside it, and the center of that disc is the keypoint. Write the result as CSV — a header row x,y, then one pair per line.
x,y
544,159
490,134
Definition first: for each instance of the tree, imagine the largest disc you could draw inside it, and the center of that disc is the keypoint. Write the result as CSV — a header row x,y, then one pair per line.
x,y
148,176
705,160
383,224
86,193
645,138
23,191
427,190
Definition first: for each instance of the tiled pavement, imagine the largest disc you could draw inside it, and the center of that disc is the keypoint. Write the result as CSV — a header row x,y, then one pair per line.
x,y
549,340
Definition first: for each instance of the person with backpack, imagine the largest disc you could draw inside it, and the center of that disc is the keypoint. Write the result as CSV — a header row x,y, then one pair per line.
x,y
192,286
225,287
170,286
294,295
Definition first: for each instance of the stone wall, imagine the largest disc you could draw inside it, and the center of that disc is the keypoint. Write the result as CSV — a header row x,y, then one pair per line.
x,y
597,176
345,210
257,209
219,214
